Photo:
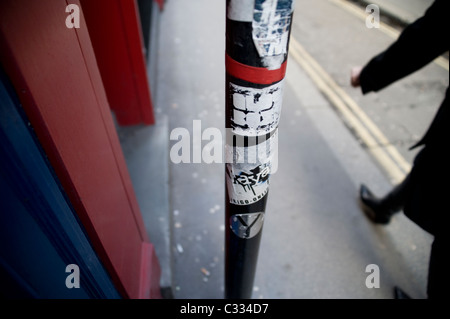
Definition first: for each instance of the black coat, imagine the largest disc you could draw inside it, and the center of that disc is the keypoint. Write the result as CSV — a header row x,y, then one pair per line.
x,y
419,44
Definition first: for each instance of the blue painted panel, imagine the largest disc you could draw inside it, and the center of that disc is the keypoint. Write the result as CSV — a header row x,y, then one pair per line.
x,y
40,233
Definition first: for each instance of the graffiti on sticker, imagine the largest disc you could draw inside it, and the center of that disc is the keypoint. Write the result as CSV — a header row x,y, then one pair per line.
x,y
247,186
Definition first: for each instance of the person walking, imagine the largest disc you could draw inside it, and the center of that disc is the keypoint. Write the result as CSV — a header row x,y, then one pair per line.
x,y
423,193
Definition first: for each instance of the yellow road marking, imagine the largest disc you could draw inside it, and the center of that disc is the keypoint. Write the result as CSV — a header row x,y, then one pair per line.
x,y
393,33
378,145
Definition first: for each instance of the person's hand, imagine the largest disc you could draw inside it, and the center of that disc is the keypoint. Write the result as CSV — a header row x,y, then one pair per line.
x,y
355,73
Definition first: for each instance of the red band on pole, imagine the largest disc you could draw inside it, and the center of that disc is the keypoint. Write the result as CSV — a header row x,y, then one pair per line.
x,y
254,74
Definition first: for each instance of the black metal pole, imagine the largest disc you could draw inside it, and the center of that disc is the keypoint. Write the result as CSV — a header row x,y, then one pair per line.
x,y
257,38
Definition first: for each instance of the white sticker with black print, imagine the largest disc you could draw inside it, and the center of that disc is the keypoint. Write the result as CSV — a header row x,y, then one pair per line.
x,y
247,185
255,111
248,169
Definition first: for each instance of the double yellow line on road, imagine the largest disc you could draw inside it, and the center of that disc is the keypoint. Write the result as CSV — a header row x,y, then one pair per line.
x,y
378,145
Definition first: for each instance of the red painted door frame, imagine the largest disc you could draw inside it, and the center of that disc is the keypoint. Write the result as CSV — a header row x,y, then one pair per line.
x,y
54,71
160,4
116,35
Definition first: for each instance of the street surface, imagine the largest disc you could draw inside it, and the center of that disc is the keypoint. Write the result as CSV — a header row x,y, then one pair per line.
x,y
316,242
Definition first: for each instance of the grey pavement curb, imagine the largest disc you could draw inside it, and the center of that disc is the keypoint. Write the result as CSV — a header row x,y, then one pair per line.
x,y
165,257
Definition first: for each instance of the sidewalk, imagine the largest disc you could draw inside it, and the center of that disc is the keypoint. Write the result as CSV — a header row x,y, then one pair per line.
x,y
316,243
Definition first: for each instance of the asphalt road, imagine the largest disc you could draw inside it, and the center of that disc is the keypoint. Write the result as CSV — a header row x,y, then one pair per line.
x,y
338,39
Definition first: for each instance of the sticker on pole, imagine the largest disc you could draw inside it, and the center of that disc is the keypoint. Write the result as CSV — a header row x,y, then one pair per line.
x,y
247,186
246,225
255,111
271,25
248,169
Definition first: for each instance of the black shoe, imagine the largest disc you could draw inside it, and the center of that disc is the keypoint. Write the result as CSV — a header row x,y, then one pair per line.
x,y
373,207
400,294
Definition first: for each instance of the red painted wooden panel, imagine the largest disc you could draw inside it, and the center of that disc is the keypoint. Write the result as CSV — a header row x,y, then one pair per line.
x,y
150,275
55,74
116,35
160,4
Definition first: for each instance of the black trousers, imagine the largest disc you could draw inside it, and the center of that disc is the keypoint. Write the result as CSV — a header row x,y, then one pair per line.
x,y
424,192
438,277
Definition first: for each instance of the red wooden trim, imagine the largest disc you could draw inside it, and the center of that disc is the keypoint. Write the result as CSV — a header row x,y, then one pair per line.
x,y
55,74
149,279
115,31
136,49
160,4
90,60
254,74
